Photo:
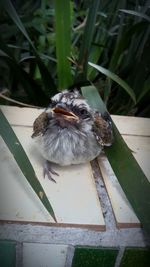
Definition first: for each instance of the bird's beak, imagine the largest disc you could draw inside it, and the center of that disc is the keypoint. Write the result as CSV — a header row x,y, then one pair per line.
x,y
67,114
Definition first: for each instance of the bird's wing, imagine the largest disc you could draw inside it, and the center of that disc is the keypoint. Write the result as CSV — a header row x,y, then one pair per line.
x,y
40,124
102,129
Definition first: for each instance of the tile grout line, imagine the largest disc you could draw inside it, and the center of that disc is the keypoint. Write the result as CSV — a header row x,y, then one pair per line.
x,y
70,255
119,256
103,197
19,254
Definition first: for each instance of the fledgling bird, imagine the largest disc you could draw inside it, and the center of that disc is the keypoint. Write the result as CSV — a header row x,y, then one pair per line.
x,y
70,132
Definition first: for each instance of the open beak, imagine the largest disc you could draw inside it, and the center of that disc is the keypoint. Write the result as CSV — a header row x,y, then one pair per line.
x,y
68,114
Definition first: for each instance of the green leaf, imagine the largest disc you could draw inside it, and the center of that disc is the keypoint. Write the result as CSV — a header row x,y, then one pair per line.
x,y
7,5
34,92
81,74
115,78
23,162
130,176
145,90
63,42
135,13
45,74
49,85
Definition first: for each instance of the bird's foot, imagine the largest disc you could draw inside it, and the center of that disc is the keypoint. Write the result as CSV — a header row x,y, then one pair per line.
x,y
47,170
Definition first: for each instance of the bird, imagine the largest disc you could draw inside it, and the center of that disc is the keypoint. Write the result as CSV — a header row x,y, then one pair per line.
x,y
70,132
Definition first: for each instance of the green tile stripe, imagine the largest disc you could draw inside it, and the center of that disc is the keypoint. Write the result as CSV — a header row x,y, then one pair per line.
x,y
94,257
136,257
7,254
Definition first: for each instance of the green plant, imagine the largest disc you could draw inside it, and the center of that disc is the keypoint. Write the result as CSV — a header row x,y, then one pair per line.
x,y
116,38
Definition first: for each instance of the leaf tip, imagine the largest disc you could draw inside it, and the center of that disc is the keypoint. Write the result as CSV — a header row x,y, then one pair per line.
x,y
54,217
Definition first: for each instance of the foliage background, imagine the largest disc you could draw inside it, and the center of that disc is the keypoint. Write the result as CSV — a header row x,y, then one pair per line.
x,y
120,43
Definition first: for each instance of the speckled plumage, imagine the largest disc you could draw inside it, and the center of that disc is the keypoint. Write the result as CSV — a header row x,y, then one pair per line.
x,y
70,132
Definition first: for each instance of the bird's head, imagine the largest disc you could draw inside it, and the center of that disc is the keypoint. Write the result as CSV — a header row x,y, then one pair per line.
x,y
70,106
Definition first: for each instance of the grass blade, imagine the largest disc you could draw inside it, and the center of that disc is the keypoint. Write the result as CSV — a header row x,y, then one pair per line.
x,y
34,92
23,162
130,176
45,74
135,13
145,89
9,8
48,82
63,42
115,78
81,74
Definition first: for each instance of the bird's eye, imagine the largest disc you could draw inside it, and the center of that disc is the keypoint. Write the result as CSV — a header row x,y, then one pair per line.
x,y
52,104
84,113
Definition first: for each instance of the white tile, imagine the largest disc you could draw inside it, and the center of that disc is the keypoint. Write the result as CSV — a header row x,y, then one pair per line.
x,y
74,197
21,116
124,214
140,147
132,125
44,255
126,124
18,201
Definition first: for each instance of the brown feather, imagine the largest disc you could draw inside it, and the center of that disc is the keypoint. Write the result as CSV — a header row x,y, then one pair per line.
x,y
102,130
40,124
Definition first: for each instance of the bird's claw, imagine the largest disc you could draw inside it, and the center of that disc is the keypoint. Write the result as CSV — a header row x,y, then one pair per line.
x,y
47,170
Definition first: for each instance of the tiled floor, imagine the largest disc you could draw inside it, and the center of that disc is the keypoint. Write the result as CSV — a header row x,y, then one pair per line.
x,y
45,255
124,214
74,196
7,254
94,257
137,257
76,203
53,255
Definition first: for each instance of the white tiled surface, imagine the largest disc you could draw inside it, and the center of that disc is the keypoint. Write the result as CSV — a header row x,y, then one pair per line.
x,y
44,255
74,197
126,125
124,214
135,126
140,147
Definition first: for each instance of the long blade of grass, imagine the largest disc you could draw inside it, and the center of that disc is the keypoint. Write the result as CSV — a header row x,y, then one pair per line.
x,y
81,73
145,90
130,176
115,78
23,162
48,81
34,92
63,42
135,13
96,52
9,8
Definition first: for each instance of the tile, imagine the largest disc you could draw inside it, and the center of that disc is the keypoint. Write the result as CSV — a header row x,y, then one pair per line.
x,y
138,257
126,124
7,253
140,147
123,212
45,255
132,125
15,114
74,197
94,257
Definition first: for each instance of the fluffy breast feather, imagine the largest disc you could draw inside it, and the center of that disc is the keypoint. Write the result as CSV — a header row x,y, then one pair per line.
x,y
68,146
